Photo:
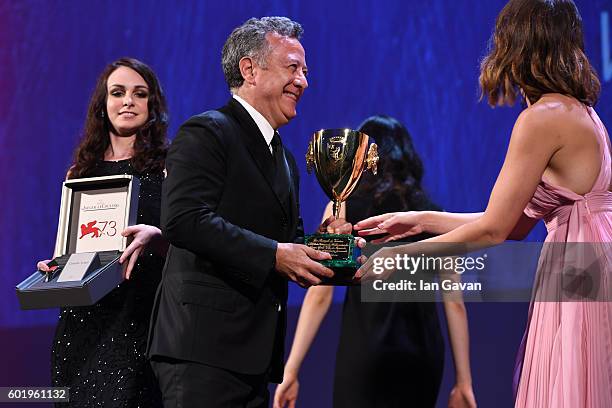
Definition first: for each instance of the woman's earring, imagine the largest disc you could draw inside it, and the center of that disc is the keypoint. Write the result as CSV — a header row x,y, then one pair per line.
x,y
102,114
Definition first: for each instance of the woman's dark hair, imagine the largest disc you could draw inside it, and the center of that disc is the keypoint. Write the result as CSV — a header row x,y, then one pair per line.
x,y
150,145
538,47
400,169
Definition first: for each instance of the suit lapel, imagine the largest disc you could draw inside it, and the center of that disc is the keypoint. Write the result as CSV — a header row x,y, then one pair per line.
x,y
255,144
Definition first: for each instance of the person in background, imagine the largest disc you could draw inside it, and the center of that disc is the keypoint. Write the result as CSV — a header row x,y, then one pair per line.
x,y
399,344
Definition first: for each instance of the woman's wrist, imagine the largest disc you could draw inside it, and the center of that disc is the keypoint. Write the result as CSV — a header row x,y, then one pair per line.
x,y
464,381
424,220
292,369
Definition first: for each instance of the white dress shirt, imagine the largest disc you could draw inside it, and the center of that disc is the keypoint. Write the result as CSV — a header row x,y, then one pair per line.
x,y
264,126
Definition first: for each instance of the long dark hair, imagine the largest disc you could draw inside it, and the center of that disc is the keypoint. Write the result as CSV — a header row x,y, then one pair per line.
x,y
538,47
400,169
150,146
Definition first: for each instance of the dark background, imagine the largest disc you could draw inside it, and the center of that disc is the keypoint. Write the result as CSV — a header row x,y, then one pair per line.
x,y
415,60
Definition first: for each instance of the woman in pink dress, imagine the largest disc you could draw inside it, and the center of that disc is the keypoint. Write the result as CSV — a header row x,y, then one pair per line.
x,y
557,169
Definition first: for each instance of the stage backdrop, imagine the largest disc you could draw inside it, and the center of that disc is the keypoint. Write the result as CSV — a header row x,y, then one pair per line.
x,y
415,60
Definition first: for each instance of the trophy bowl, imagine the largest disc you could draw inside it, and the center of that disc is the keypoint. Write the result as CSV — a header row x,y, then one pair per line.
x,y
338,158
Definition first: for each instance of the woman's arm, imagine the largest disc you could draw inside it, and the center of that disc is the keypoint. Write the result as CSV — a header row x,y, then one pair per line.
x,y
314,308
533,142
438,223
462,394
400,225
531,147
456,317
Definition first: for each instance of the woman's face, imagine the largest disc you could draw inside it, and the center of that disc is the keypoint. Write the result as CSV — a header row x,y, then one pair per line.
x,y
127,101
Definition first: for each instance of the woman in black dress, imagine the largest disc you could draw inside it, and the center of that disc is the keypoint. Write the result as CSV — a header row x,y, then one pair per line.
x,y
390,354
99,351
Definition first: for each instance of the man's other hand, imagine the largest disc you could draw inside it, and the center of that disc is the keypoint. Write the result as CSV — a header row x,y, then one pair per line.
x,y
299,263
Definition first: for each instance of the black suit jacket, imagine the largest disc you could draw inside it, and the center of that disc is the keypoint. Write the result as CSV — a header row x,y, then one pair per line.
x,y
220,301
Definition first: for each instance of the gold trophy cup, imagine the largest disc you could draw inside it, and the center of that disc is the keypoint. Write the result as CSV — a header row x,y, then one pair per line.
x,y
339,157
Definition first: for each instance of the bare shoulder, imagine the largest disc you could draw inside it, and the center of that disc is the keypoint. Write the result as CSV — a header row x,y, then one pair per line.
x,y
535,125
546,112
556,111
546,120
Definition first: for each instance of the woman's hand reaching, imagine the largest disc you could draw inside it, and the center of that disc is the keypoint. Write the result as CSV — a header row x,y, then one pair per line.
x,y
394,226
142,235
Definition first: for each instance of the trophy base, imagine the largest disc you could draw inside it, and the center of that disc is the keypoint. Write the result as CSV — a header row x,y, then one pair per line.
x,y
344,253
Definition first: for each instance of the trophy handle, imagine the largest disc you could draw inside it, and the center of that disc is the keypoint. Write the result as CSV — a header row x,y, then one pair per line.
x,y
372,159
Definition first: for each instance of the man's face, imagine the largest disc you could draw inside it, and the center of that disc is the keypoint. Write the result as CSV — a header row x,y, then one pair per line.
x,y
279,84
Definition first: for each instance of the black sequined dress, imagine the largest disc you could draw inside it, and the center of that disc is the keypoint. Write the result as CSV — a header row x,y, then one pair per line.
x,y
99,351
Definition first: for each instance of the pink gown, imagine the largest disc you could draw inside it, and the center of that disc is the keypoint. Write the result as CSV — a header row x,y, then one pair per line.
x,y
567,348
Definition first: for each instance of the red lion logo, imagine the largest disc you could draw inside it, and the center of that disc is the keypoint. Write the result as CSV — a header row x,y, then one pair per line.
x,y
90,229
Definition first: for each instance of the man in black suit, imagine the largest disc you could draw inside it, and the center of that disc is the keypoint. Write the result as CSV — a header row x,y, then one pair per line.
x,y
230,212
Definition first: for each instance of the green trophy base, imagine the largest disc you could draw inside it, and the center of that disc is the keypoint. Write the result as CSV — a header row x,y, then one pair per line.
x,y
344,253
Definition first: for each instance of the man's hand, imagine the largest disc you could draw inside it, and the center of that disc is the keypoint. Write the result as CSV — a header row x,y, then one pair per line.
x,y
335,226
298,263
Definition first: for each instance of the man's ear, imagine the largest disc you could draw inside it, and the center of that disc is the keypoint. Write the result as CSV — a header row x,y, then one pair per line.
x,y
247,70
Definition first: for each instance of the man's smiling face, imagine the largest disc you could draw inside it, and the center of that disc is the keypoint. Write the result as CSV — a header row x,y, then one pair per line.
x,y
281,80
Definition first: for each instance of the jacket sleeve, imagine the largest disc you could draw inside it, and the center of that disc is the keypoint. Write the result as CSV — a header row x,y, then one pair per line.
x,y
196,166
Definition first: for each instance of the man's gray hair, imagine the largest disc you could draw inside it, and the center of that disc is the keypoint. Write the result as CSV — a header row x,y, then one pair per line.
x,y
249,40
